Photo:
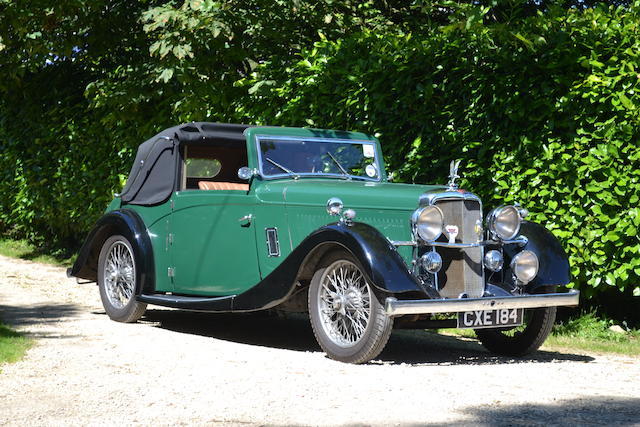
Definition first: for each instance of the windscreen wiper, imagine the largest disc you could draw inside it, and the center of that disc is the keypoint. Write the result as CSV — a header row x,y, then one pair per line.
x,y
344,171
289,171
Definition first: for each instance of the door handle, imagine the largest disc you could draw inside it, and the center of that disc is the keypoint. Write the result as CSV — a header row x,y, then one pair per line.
x,y
245,221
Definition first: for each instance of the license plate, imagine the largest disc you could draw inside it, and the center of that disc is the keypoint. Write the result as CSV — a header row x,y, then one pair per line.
x,y
490,318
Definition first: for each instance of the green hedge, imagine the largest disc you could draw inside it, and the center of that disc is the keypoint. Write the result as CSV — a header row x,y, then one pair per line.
x,y
543,111
540,101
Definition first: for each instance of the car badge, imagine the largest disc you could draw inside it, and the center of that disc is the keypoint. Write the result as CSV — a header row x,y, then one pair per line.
x,y
478,229
452,231
453,175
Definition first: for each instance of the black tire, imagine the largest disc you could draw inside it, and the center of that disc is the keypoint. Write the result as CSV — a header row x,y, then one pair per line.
x,y
358,299
118,290
522,340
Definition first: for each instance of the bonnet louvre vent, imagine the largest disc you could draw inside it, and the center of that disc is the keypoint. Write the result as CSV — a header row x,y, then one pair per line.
x,y
273,246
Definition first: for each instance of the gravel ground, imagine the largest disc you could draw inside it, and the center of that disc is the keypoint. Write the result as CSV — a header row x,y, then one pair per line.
x,y
179,368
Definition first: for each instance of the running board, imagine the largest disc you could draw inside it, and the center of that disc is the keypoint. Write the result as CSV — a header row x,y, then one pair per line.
x,y
210,304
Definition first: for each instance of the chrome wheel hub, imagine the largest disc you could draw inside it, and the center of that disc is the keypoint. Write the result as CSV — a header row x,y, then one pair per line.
x,y
119,275
344,303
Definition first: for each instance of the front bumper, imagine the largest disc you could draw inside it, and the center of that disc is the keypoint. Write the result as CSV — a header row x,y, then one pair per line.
x,y
394,307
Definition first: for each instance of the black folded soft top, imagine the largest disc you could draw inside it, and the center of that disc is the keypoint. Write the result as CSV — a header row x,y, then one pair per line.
x,y
153,175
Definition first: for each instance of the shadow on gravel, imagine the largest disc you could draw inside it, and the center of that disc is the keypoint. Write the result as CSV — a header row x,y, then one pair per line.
x,y
38,314
423,348
597,410
263,328
293,332
588,411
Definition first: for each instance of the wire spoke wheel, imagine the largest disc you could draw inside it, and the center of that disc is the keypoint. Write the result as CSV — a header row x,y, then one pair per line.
x,y
347,319
344,302
119,274
117,280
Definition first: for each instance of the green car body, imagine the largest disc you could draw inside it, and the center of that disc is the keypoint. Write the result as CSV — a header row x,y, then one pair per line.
x,y
266,237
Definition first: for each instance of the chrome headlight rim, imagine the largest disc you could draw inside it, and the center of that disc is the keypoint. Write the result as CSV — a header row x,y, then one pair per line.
x,y
498,216
420,229
493,260
525,259
431,262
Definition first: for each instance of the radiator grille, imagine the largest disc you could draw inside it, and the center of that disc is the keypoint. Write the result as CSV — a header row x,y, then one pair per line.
x,y
462,268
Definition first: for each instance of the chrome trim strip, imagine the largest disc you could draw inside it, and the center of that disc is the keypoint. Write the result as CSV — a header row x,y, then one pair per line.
x,y
431,198
455,245
403,243
520,240
394,307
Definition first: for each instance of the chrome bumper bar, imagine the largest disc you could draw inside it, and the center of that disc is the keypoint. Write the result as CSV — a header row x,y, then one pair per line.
x,y
520,240
394,307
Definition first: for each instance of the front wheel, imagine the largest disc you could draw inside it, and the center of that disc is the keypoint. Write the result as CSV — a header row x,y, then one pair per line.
x,y
347,320
521,340
117,277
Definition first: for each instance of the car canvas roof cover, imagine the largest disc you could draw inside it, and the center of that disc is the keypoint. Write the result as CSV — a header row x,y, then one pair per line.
x,y
153,174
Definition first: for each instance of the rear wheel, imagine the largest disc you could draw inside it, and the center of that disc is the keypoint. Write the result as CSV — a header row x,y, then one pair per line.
x,y
348,321
520,340
117,280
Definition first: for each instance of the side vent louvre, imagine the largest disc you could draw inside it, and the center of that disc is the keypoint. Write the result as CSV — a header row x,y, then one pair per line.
x,y
273,246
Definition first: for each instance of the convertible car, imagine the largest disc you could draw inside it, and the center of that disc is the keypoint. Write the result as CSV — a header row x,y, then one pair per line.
x,y
233,218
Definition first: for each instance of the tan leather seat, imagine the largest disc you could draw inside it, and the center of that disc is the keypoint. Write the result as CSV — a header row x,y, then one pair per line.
x,y
208,185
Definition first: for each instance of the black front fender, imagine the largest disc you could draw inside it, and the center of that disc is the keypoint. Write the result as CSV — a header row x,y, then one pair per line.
x,y
381,262
127,223
554,263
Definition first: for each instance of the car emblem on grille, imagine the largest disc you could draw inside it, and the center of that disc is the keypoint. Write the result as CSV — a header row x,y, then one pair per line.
x,y
479,230
452,231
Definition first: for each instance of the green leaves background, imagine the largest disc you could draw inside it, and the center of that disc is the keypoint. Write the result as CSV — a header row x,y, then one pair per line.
x,y
539,99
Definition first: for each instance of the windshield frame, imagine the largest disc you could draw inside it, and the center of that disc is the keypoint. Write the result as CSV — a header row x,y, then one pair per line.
x,y
296,175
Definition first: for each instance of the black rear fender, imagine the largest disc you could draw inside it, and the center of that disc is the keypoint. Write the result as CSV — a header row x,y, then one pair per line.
x,y
127,223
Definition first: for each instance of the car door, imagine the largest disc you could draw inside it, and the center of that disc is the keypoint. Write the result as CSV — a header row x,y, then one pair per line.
x,y
212,242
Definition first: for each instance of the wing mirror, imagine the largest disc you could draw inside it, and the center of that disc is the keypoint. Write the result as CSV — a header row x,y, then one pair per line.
x,y
246,173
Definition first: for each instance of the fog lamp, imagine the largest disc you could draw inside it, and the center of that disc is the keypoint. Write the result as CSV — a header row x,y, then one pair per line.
x,y
431,261
525,266
493,260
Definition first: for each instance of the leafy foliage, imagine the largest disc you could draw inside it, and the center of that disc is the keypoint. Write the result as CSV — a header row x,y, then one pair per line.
x,y
544,111
539,98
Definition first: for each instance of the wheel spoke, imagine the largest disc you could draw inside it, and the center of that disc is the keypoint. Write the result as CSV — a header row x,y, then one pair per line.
x,y
344,303
119,274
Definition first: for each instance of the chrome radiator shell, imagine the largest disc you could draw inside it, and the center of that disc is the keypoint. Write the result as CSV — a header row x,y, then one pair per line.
x,y
462,271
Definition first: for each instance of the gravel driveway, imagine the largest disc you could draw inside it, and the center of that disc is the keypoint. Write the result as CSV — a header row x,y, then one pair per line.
x,y
179,368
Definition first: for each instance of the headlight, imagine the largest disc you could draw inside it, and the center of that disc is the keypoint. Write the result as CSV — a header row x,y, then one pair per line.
x,y
427,223
525,266
504,222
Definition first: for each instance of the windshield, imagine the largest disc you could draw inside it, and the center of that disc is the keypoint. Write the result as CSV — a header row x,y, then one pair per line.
x,y
281,156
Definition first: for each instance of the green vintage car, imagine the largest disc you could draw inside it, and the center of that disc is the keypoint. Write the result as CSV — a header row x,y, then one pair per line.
x,y
233,218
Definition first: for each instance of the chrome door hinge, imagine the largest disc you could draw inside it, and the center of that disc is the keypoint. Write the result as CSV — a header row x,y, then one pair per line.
x,y
170,237
171,272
